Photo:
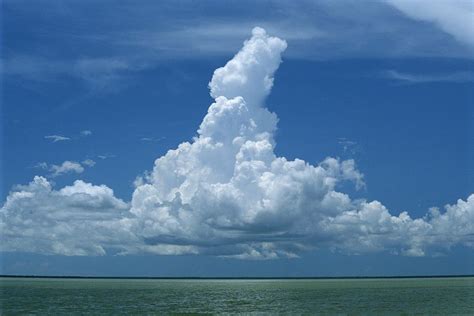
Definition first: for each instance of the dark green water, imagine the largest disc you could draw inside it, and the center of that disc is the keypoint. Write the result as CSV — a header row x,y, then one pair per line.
x,y
445,296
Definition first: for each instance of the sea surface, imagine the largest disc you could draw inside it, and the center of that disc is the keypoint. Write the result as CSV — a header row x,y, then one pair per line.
x,y
43,296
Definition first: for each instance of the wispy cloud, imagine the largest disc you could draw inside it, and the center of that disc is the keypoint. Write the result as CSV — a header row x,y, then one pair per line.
x,y
316,30
36,68
105,156
191,41
103,73
455,17
65,167
41,165
89,162
411,78
97,73
152,139
57,138
348,146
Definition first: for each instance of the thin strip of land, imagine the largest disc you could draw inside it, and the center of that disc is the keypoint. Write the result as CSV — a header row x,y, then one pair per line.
x,y
236,278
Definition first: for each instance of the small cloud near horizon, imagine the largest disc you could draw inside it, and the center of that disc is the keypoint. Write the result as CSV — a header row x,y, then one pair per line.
x,y
152,139
411,78
57,138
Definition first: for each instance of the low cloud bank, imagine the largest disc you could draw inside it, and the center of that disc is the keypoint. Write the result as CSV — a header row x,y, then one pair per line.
x,y
226,193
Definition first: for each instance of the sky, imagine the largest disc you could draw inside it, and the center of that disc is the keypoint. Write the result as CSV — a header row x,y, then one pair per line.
x,y
268,138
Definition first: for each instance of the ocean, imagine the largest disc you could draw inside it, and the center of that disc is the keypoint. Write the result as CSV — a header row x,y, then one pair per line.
x,y
52,296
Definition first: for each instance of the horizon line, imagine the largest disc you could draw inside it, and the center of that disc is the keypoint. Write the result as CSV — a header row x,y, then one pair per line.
x,y
236,277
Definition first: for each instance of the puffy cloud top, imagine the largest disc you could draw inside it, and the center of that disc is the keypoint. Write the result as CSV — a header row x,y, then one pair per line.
x,y
226,193
250,73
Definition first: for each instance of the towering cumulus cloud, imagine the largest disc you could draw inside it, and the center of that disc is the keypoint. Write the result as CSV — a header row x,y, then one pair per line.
x,y
226,193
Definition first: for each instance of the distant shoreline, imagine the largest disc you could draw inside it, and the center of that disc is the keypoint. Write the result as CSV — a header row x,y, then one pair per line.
x,y
235,278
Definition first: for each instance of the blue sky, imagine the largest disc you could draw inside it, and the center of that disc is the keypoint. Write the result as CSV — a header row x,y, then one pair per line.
x,y
110,87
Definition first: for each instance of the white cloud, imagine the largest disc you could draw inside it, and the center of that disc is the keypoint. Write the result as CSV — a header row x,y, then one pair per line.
x,y
226,193
89,162
97,73
317,30
455,17
81,219
462,76
86,132
66,167
106,156
57,138
349,146
33,68
41,165
152,139
102,73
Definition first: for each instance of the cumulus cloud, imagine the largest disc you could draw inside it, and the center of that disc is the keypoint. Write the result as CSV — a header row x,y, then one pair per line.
x,y
81,219
227,193
86,132
57,138
455,17
66,167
